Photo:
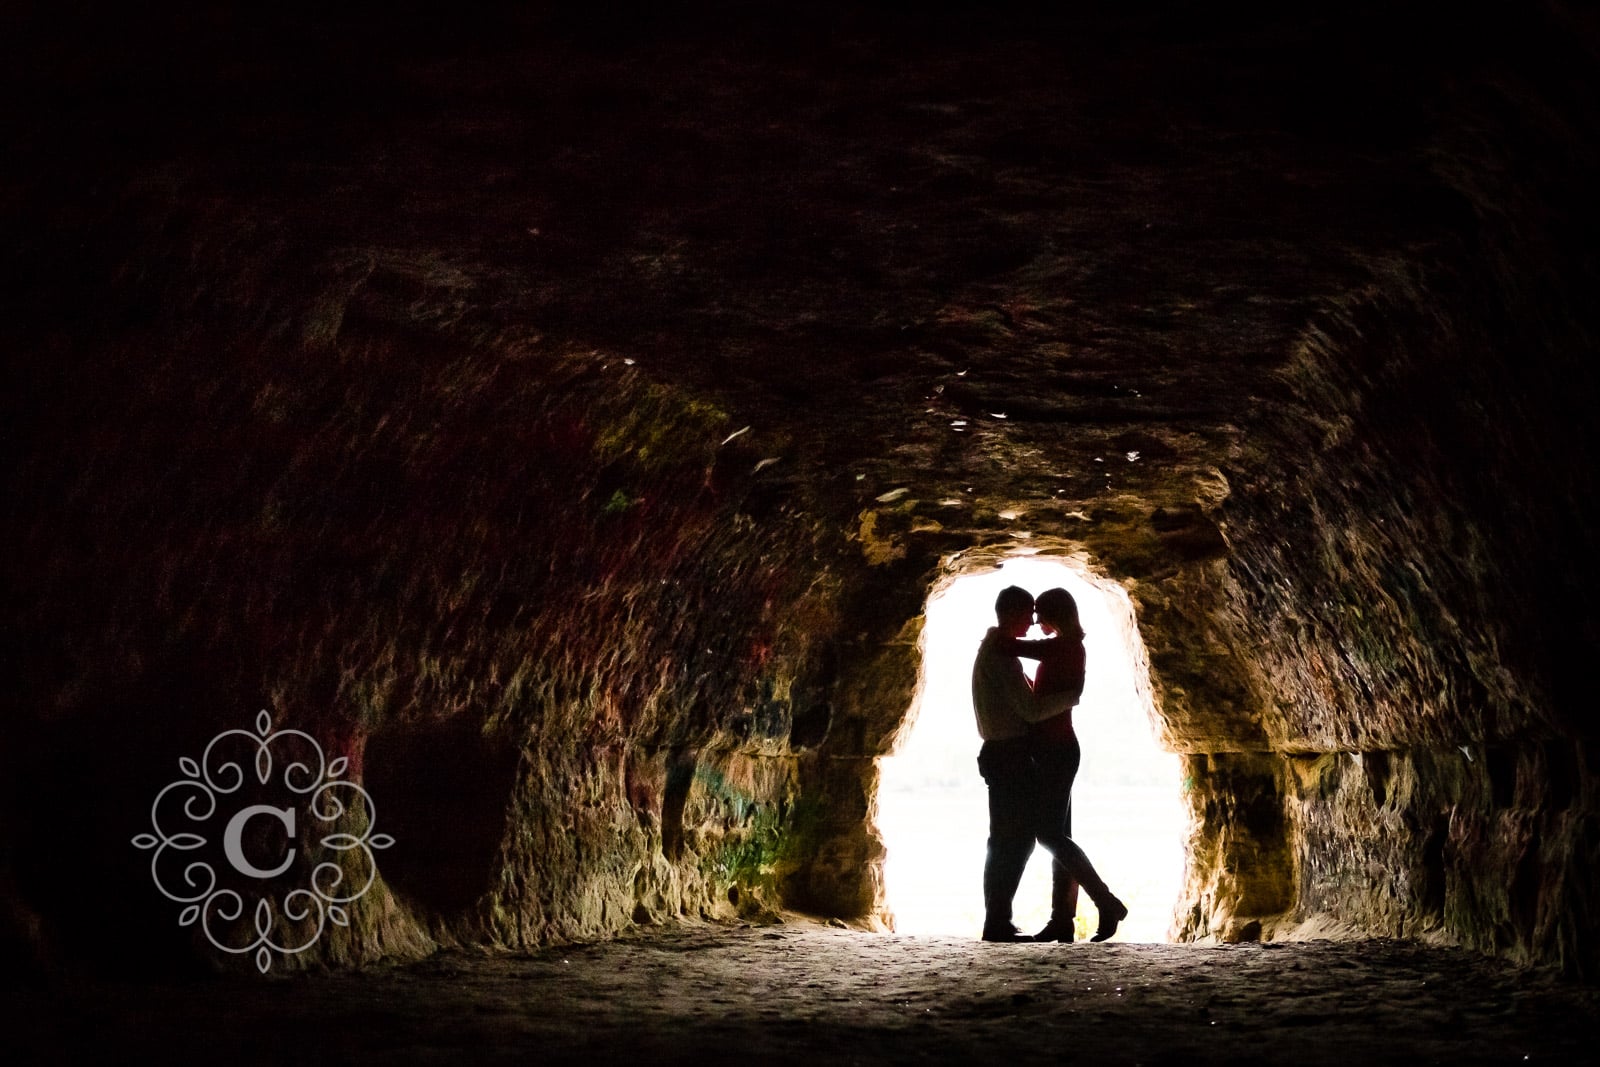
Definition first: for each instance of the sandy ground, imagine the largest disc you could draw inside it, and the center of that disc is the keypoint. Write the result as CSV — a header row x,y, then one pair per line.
x,y
799,993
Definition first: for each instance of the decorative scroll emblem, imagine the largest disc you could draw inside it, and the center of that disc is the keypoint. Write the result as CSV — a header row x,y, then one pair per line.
x,y
261,850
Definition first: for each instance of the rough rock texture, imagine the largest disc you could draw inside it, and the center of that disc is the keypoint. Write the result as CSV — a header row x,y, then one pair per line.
x,y
799,995
567,425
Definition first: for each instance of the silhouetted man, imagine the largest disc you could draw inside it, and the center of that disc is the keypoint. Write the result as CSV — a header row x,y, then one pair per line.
x,y
1003,703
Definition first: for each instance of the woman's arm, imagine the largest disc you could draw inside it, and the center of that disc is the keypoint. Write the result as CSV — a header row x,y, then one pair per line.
x,y
1016,646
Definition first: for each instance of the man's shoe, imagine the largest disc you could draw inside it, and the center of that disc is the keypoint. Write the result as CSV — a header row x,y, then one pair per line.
x,y
1056,930
1004,933
1111,913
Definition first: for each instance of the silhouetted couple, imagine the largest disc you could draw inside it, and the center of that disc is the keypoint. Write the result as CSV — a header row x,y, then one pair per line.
x,y
1029,758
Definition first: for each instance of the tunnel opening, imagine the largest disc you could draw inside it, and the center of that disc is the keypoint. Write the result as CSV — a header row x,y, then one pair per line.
x,y
932,805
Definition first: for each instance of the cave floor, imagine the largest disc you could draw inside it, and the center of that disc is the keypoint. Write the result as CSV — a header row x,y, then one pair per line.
x,y
801,993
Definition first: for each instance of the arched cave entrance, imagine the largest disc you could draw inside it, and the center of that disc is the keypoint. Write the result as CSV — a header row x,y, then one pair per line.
x,y
931,809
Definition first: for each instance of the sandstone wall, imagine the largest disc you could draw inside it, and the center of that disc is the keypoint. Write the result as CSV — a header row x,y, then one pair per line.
x,y
563,624
1404,572
567,432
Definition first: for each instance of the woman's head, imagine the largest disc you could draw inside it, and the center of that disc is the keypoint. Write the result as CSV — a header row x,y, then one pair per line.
x,y
1059,611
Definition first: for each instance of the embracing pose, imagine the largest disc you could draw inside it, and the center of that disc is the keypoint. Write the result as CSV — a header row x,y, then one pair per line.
x,y
1029,759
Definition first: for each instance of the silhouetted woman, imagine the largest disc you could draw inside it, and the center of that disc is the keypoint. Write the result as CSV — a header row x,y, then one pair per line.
x,y
1058,684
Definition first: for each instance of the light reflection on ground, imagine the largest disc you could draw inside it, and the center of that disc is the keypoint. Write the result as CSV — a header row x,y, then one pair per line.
x,y
932,806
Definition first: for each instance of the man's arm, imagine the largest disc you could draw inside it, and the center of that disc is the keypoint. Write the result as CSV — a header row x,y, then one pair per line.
x,y
1049,705
1060,682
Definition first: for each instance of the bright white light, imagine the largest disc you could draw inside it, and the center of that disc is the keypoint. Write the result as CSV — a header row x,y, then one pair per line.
x,y
1126,807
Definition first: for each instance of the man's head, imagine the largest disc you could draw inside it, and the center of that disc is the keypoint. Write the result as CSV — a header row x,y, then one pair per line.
x,y
1058,612
1013,609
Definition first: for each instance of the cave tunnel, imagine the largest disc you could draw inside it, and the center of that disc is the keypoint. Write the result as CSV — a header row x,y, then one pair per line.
x,y
488,471
932,807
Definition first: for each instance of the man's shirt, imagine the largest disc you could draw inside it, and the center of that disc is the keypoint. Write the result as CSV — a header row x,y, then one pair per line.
x,y
1001,697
